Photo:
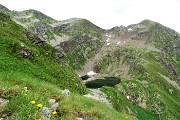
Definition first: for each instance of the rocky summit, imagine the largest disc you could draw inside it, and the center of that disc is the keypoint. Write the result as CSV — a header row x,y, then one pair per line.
x,y
85,72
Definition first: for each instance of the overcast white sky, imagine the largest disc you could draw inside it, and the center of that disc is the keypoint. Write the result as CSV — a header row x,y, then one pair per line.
x,y
105,13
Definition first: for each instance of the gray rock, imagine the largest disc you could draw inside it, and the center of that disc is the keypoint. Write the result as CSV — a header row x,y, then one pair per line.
x,y
46,113
55,106
3,102
66,92
59,55
25,53
51,101
170,90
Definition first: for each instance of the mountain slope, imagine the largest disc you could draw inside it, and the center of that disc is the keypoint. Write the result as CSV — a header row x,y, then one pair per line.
x,y
4,10
143,57
146,60
69,36
17,44
30,71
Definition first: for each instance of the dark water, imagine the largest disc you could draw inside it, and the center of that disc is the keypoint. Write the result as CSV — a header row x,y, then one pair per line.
x,y
85,77
107,81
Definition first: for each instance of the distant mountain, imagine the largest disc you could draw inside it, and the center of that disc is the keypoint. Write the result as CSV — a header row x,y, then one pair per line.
x,y
146,58
3,9
63,34
135,68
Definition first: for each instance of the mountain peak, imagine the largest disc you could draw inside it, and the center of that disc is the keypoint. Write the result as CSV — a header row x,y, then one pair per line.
x,y
4,9
35,14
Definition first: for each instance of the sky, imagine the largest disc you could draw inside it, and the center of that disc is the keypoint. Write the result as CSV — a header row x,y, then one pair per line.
x,y
105,13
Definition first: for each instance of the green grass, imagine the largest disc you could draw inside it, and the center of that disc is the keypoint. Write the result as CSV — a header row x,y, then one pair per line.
x,y
70,107
145,70
41,64
122,104
44,76
49,35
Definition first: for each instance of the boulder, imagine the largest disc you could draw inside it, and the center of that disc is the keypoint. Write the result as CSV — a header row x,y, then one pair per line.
x,y
59,55
55,106
46,113
51,101
40,42
3,102
66,92
24,53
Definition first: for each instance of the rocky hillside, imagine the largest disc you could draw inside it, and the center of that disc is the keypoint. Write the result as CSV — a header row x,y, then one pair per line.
x,y
146,58
134,69
32,79
3,9
74,37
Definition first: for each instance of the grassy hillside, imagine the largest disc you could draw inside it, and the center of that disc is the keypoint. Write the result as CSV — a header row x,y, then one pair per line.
x,y
152,90
149,71
40,64
145,57
38,77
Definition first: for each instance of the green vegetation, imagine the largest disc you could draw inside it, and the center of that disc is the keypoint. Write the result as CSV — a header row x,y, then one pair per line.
x,y
85,41
49,35
31,71
122,104
35,14
79,51
41,64
83,26
150,91
41,76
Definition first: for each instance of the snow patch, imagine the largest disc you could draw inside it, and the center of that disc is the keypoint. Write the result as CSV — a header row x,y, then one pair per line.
x,y
108,43
118,42
106,34
109,35
130,29
107,40
91,73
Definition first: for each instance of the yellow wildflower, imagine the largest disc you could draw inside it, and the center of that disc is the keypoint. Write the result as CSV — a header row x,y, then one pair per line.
x,y
33,102
39,105
126,117
54,113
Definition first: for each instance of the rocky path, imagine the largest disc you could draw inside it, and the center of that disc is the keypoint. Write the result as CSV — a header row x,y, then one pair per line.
x,y
96,94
